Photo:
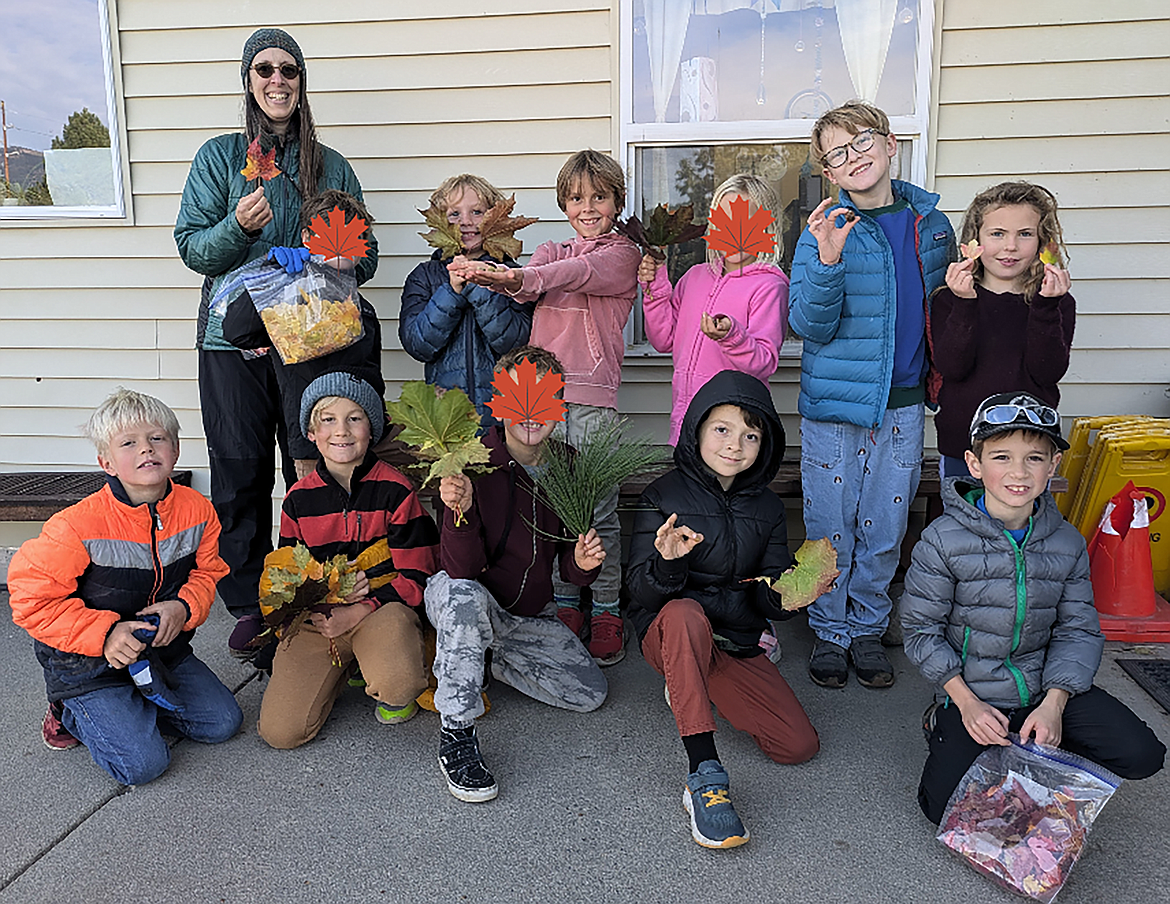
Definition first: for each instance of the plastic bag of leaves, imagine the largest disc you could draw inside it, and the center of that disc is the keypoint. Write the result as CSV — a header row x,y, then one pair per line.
x,y
1022,812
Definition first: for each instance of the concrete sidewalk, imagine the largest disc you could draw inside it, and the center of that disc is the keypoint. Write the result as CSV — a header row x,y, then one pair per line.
x,y
589,806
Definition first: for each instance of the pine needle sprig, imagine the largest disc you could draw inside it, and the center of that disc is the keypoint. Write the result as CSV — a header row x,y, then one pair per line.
x,y
573,482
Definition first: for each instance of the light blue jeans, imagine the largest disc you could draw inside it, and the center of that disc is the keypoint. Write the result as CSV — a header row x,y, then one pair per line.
x,y
121,727
858,486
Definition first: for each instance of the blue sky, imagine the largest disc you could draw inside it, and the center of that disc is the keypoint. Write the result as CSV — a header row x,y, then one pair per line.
x,y
50,66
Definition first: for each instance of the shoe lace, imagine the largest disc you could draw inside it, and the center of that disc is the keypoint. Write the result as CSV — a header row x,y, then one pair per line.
x,y
716,797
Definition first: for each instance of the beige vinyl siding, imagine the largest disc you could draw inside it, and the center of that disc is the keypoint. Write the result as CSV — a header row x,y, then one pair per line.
x,y
408,93
1072,95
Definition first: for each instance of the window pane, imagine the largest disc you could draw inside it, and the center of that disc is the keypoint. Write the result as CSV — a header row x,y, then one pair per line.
x,y
55,86
735,60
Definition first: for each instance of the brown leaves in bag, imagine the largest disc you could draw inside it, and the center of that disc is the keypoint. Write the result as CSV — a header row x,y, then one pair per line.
x,y
814,573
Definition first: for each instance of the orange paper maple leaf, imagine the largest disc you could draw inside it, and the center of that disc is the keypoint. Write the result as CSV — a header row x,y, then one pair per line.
x,y
260,165
526,398
740,233
338,238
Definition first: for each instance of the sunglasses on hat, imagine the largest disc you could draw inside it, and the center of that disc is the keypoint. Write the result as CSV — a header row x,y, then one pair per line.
x,y
288,70
998,415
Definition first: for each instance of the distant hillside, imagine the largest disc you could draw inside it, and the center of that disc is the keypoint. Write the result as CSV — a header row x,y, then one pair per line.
x,y
25,166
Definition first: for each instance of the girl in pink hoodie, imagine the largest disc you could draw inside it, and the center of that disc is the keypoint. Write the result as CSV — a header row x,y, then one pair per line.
x,y
729,313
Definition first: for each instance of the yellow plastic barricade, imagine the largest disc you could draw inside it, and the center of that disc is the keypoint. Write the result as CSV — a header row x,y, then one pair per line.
x,y
1080,438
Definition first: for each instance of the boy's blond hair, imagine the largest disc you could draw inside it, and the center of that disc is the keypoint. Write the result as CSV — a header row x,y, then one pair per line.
x,y
324,402
760,193
601,169
853,117
488,193
125,408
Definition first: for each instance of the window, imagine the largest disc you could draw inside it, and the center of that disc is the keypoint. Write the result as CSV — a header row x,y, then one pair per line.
x,y
62,154
715,87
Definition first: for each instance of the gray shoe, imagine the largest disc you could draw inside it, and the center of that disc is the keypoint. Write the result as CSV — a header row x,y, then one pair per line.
x,y
827,666
870,661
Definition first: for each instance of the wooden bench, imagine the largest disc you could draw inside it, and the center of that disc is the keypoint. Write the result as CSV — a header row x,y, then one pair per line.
x,y
38,495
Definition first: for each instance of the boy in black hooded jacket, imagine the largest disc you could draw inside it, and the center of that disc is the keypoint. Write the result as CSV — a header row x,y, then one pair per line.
x,y
703,531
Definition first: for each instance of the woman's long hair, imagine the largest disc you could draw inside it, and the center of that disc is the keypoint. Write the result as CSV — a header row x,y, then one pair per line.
x,y
301,124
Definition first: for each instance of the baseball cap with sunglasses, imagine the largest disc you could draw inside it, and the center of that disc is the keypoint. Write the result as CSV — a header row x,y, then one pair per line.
x,y
1010,411
289,71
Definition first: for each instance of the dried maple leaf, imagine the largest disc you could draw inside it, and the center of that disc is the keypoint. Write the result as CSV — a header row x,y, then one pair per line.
x,y
1050,254
526,398
971,250
294,585
740,233
498,230
444,235
259,164
338,238
442,428
815,571
663,227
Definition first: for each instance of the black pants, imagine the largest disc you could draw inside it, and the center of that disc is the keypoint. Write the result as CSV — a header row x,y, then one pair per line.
x,y
1096,726
242,418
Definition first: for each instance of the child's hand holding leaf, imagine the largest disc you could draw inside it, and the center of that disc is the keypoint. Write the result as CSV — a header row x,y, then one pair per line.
x,y
589,551
1056,282
673,540
648,269
505,279
822,223
455,492
961,278
339,620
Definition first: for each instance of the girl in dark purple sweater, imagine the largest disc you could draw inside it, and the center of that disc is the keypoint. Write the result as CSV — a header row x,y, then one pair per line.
x,y
1004,322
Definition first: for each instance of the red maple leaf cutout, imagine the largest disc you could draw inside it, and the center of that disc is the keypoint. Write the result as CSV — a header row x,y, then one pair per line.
x,y
260,165
740,233
338,238
525,398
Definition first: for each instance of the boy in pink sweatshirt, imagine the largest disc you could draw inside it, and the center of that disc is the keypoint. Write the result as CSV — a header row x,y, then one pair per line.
x,y
584,289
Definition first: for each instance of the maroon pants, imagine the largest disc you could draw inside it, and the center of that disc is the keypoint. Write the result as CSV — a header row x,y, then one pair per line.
x,y
748,693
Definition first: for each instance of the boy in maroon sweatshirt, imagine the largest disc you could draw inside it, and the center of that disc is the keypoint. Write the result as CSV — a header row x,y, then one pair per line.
x,y
495,590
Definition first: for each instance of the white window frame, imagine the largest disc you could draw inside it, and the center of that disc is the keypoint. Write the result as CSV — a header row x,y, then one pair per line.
x,y
633,136
115,105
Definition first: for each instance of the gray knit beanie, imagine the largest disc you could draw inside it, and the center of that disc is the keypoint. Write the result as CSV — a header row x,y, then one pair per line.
x,y
262,39
347,386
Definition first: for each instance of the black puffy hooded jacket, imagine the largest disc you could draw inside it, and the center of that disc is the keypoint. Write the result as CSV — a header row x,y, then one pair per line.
x,y
745,534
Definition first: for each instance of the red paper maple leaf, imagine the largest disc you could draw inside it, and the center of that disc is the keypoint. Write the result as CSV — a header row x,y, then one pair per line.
x,y
740,233
525,398
338,238
260,165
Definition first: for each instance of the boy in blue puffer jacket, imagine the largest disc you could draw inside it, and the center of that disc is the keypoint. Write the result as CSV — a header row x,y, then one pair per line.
x,y
862,276
456,328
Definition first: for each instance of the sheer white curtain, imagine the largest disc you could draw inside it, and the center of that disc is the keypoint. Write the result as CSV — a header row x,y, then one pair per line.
x,y
865,37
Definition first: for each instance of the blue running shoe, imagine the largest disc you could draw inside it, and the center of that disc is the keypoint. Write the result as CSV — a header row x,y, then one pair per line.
x,y
714,822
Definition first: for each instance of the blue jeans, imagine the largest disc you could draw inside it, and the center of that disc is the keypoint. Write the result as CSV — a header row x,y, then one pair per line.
x,y
858,486
120,726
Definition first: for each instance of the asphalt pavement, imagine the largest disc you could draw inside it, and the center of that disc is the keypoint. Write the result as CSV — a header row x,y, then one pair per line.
x,y
589,810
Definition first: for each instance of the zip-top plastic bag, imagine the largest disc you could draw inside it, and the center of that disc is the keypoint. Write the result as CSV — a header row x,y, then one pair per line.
x,y
1022,812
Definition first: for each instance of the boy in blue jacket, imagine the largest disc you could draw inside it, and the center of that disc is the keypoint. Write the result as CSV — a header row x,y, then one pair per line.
x,y
862,276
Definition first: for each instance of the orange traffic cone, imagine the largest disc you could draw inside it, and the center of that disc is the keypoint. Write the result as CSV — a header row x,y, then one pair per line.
x,y
1123,574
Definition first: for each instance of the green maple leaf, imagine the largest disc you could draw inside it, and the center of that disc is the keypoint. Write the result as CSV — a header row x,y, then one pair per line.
x,y
442,428
443,235
815,571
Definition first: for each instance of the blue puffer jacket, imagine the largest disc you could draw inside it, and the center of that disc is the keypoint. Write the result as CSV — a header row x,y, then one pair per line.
x,y
459,336
845,313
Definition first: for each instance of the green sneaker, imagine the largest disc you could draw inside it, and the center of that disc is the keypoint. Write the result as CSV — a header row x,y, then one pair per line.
x,y
388,716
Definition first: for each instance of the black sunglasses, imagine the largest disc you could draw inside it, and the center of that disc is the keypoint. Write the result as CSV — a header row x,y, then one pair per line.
x,y
288,70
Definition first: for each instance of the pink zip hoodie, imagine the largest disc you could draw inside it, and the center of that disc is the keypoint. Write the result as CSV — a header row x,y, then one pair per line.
x,y
755,298
584,290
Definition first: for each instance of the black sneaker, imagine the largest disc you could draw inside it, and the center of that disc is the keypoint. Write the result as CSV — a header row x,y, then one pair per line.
x,y
870,661
930,720
827,666
462,764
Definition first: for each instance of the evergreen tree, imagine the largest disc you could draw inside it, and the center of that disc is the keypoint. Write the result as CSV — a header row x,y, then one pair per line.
x,y
83,130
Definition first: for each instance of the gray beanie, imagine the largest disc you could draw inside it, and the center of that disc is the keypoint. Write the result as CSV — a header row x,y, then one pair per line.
x,y
347,386
262,39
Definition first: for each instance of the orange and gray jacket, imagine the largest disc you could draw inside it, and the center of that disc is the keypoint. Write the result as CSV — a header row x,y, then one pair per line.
x,y
101,561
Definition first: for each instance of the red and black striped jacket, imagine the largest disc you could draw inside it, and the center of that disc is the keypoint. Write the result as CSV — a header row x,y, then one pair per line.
x,y
381,504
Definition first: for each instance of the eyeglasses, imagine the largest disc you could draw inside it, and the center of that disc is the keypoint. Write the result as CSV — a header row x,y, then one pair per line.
x,y
861,143
997,415
288,70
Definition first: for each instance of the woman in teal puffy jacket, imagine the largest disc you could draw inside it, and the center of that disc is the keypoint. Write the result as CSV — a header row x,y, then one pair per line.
x,y
226,221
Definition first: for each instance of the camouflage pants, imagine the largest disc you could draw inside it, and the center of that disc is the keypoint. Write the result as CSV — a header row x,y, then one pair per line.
x,y
538,656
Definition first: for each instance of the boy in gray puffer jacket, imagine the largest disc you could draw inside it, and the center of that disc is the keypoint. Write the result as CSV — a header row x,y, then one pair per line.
x,y
998,612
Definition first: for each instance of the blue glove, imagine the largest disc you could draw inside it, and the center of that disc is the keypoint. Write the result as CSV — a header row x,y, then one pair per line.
x,y
292,259
146,635
152,686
